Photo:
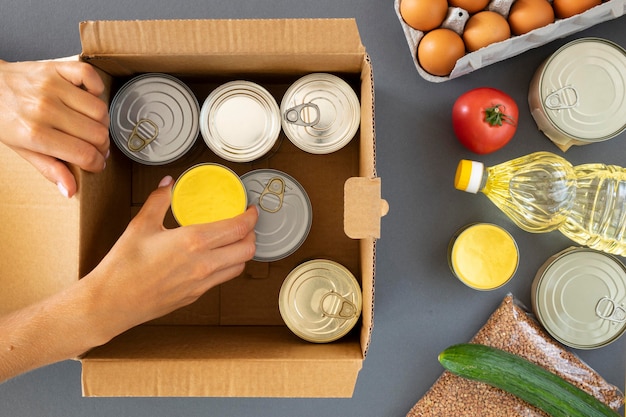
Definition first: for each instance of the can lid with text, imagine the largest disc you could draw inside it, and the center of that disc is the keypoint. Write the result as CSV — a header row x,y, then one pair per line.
x,y
154,119
240,121
320,113
285,213
579,296
582,90
320,301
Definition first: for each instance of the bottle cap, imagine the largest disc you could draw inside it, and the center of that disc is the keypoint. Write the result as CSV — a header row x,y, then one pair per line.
x,y
469,175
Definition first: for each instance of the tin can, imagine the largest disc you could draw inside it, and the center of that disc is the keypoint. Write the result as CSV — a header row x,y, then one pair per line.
x,y
207,193
320,113
320,301
240,121
285,213
154,119
578,95
579,296
483,256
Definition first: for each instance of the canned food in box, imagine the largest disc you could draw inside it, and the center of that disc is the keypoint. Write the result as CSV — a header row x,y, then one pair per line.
x,y
578,95
320,301
240,121
207,193
579,296
483,256
321,113
285,213
154,119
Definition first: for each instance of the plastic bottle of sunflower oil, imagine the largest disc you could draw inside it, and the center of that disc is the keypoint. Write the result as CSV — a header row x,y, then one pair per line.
x,y
542,192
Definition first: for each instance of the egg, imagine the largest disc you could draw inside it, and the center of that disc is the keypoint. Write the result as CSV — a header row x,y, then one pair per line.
x,y
485,28
423,15
568,8
526,15
472,6
439,50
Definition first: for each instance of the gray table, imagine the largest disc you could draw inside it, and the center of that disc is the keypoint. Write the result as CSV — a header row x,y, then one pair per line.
x,y
420,307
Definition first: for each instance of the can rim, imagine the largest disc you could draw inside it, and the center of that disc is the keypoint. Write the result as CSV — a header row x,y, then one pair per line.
x,y
185,92
296,274
256,147
538,293
308,208
312,144
542,96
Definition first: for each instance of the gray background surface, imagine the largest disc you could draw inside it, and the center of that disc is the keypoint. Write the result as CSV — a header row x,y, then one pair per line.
x,y
420,308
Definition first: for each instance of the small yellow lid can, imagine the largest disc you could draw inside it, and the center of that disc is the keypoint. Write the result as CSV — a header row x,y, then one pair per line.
x,y
483,256
207,193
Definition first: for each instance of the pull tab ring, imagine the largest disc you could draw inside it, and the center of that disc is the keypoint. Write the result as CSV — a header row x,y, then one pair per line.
x,y
608,309
275,186
347,311
144,132
563,98
294,115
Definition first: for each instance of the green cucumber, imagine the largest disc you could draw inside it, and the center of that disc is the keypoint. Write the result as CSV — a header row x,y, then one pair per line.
x,y
524,379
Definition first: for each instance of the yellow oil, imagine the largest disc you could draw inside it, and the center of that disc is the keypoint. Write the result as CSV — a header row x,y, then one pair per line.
x,y
542,192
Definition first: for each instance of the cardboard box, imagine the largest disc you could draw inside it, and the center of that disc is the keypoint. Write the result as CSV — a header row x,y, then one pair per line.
x,y
231,342
515,45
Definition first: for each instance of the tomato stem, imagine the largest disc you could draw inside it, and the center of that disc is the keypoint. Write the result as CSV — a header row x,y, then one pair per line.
x,y
496,115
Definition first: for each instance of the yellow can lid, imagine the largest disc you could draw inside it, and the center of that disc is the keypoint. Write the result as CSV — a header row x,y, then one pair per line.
x,y
207,193
468,176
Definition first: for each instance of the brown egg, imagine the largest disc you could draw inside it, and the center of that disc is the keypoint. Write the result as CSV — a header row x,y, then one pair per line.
x,y
526,15
423,15
439,50
472,6
485,28
568,8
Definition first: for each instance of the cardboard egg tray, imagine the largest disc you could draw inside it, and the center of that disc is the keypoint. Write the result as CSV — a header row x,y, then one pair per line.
x,y
515,45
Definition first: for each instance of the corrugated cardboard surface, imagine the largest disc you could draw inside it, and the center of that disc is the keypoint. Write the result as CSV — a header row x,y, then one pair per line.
x,y
233,342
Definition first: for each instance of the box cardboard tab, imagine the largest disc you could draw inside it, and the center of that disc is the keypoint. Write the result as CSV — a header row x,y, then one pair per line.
x,y
232,341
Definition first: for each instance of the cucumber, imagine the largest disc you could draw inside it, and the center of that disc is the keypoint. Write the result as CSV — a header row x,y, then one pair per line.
x,y
524,379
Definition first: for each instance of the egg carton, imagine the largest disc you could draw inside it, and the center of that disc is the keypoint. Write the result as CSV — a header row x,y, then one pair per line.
x,y
515,45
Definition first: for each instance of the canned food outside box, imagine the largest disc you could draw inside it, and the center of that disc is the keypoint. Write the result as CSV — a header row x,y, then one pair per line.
x,y
578,95
154,119
207,193
285,213
483,256
240,121
579,296
320,113
320,301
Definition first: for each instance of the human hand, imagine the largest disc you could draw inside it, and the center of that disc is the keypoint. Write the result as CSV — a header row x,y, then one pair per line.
x,y
152,271
51,113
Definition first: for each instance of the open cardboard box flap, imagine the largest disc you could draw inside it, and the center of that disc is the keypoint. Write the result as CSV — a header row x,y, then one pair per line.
x,y
231,342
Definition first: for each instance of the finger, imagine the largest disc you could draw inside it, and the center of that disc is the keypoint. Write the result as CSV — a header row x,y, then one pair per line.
x,y
155,208
223,275
67,148
77,124
81,75
52,169
229,231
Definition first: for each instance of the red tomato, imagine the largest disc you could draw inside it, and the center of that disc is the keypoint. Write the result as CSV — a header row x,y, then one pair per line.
x,y
484,119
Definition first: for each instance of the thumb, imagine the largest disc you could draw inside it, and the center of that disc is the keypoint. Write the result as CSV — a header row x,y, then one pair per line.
x,y
158,202
54,170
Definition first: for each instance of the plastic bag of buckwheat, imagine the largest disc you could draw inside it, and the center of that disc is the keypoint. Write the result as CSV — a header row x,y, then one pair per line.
x,y
512,328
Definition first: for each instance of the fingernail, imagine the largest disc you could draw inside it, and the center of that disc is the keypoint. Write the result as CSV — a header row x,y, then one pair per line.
x,y
63,190
108,154
165,181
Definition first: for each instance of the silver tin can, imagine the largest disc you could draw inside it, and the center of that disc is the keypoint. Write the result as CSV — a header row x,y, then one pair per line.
x,y
154,119
320,113
320,301
240,121
285,213
578,95
579,296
